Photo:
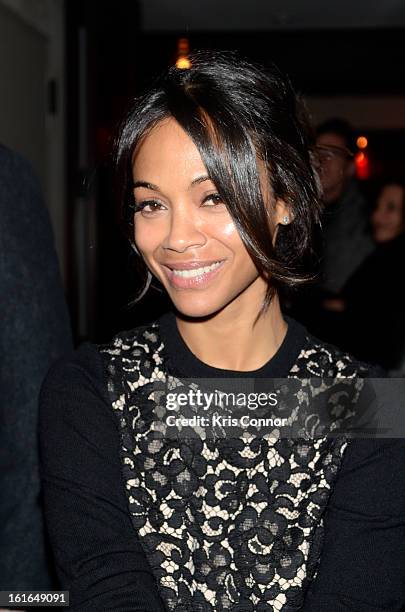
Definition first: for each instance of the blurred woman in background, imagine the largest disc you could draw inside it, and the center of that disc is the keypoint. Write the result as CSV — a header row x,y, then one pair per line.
x,y
373,299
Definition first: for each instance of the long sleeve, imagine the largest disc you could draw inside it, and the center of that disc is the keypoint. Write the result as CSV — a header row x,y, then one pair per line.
x,y
362,565
98,556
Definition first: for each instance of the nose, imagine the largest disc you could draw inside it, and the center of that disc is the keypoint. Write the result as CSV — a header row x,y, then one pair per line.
x,y
184,232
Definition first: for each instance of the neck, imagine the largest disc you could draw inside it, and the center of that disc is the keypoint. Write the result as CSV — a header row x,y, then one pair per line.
x,y
233,339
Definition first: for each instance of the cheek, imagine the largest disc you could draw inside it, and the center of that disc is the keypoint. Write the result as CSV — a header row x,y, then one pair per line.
x,y
146,238
338,169
225,231
220,228
139,238
397,219
229,230
235,243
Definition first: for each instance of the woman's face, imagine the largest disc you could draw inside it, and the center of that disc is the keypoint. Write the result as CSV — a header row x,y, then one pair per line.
x,y
184,231
388,217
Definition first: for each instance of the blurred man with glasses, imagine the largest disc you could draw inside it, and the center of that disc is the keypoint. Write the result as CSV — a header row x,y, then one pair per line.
x,y
347,240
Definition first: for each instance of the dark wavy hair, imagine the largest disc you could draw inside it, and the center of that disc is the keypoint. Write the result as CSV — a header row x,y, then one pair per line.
x,y
236,112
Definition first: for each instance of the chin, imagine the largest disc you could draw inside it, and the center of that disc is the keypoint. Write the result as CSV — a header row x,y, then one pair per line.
x,y
196,309
382,237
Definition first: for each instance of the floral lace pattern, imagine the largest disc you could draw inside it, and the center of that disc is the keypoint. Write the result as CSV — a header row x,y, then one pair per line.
x,y
226,524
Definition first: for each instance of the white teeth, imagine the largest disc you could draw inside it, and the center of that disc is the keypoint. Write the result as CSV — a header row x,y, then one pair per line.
x,y
196,271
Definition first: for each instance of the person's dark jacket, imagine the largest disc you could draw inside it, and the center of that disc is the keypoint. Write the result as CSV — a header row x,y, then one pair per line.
x,y
346,239
34,331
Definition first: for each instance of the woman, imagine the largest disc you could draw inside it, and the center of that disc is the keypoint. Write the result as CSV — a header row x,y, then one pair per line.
x,y
374,295
217,181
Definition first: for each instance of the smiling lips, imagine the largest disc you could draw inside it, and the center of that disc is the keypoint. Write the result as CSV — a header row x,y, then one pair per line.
x,y
194,274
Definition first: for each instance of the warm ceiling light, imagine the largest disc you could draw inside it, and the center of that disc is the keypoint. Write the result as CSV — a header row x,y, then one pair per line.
x,y
183,63
183,48
362,142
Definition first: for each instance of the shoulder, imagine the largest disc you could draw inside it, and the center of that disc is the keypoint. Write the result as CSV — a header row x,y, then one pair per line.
x,y
84,393
132,358
24,216
79,437
9,156
87,370
73,389
318,358
145,337
15,166
78,365
76,402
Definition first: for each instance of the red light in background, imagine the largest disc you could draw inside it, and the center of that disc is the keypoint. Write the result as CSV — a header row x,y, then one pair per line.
x,y
362,164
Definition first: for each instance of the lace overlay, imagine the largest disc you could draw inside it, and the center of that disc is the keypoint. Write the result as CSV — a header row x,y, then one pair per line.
x,y
226,524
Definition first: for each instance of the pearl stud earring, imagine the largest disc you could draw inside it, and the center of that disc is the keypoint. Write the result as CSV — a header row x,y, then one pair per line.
x,y
285,220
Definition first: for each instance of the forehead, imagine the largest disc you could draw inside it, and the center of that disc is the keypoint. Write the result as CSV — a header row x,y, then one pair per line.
x,y
392,193
331,139
168,157
167,150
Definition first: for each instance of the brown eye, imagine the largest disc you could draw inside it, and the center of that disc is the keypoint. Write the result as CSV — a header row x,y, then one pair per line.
x,y
213,199
148,207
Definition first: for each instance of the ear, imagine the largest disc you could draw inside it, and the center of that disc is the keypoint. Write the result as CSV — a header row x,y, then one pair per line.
x,y
282,214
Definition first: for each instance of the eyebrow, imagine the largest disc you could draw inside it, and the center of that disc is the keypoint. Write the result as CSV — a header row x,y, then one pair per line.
x,y
146,185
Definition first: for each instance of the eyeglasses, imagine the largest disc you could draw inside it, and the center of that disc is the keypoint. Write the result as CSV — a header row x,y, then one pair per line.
x,y
328,153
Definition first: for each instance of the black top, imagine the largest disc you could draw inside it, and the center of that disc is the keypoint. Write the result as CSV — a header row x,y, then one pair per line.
x,y
184,363
103,564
